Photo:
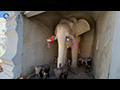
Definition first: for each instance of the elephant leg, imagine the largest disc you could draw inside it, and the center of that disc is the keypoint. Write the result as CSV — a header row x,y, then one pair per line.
x,y
75,54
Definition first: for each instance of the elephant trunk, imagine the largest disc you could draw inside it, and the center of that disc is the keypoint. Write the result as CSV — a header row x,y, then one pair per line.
x,y
62,51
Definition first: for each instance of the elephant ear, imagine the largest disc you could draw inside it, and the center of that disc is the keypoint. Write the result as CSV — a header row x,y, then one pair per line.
x,y
81,27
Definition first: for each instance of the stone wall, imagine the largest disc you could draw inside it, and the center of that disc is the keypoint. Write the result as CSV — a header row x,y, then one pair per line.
x,y
114,72
102,44
3,38
35,51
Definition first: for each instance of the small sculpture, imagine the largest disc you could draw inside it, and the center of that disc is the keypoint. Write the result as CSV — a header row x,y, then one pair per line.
x,y
40,70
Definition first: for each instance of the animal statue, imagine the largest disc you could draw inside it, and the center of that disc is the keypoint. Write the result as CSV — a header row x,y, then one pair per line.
x,y
86,62
40,70
61,73
55,59
45,74
68,62
67,31
80,61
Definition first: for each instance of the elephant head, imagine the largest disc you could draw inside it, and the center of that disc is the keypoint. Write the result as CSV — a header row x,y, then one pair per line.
x,y
69,26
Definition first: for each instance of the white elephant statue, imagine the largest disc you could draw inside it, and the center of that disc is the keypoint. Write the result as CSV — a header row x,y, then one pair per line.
x,y
73,27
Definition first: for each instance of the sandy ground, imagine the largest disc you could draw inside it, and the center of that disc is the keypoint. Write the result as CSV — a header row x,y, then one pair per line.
x,y
78,73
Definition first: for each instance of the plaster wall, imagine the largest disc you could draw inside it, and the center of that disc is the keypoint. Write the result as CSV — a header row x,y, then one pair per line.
x,y
18,57
35,51
103,44
115,59
3,38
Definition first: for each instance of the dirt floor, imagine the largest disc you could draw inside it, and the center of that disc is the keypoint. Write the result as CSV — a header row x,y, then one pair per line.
x,y
79,73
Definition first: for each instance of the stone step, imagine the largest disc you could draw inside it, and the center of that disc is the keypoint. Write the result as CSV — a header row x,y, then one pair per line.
x,y
7,67
9,73
4,76
11,22
7,61
11,14
11,28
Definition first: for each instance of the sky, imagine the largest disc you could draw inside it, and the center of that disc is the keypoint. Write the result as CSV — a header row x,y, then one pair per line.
x,y
2,12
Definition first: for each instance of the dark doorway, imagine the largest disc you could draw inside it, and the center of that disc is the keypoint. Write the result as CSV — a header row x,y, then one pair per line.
x,y
69,53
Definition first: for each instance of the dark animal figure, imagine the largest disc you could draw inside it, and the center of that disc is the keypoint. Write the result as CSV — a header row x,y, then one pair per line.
x,y
80,61
40,70
61,73
85,62
68,62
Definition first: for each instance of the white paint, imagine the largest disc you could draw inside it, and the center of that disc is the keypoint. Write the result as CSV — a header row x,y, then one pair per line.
x,y
3,75
11,45
12,57
32,13
114,72
9,73
11,14
27,12
3,38
8,67
8,61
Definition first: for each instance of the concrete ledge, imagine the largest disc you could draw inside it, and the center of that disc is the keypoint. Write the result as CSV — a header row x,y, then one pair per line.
x,y
4,76
32,13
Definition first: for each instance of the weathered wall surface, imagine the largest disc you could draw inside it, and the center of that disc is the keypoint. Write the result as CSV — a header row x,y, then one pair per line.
x,y
3,38
35,51
103,44
18,57
115,59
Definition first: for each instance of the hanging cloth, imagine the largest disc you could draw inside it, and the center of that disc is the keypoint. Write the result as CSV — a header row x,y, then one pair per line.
x,y
50,41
